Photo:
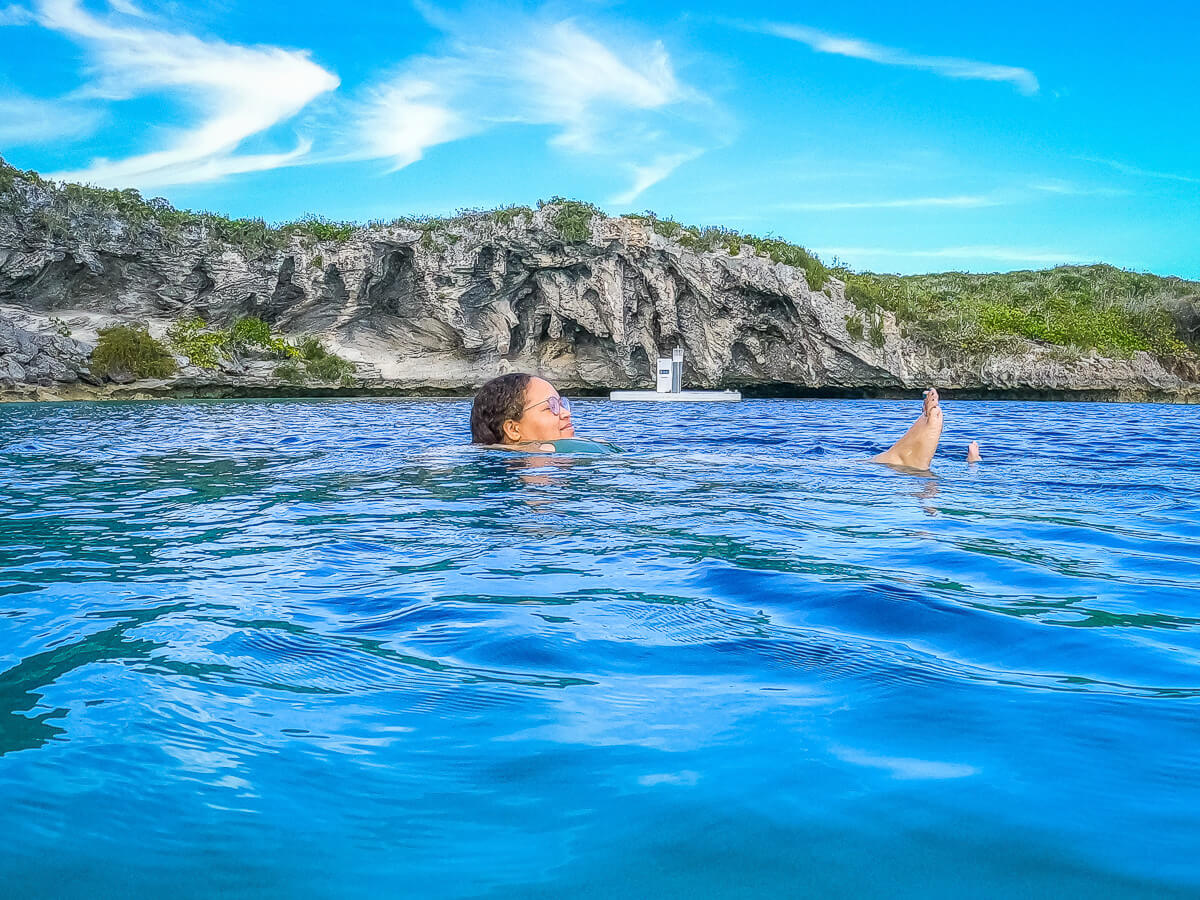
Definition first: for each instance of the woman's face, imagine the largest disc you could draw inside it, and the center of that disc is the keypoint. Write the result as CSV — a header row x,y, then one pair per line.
x,y
538,422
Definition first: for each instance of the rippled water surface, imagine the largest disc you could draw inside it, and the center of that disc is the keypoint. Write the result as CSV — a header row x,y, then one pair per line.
x,y
315,649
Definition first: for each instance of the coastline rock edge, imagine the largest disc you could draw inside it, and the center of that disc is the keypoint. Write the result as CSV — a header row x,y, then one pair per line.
x,y
441,310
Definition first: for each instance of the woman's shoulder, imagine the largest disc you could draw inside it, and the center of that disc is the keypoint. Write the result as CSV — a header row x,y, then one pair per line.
x,y
563,445
527,447
583,445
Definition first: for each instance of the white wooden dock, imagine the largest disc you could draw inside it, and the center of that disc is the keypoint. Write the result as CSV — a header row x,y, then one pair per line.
x,y
676,396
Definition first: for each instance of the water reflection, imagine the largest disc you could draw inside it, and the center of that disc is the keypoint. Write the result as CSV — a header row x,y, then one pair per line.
x,y
19,684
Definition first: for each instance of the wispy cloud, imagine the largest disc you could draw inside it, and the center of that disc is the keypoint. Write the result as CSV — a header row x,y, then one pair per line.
x,y
14,14
606,100
237,91
31,120
982,252
962,201
402,119
1070,189
575,81
128,8
1003,196
1126,169
947,66
646,176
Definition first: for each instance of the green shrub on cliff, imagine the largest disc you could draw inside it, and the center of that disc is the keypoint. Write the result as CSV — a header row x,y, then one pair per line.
x,y
320,228
668,228
320,364
208,346
130,350
793,255
290,373
572,219
506,215
204,347
875,334
250,332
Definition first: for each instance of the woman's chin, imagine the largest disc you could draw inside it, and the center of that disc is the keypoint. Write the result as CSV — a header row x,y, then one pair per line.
x,y
568,432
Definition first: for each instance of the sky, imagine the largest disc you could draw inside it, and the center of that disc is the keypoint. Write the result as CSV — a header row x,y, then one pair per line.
x,y
887,137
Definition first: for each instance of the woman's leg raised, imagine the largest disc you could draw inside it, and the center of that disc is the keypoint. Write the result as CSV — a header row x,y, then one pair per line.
x,y
916,448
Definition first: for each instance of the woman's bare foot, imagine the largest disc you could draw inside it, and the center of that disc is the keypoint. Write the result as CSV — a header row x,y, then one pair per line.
x,y
973,452
916,448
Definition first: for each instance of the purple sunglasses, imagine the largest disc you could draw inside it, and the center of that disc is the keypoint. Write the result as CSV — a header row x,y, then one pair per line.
x,y
556,405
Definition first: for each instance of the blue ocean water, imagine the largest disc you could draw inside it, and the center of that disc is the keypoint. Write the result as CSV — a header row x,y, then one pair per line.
x,y
324,649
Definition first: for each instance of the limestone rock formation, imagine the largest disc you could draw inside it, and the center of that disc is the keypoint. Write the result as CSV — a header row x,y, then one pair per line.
x,y
37,357
418,307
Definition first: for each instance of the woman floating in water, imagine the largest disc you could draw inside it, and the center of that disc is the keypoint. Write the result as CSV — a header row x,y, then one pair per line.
x,y
524,412
521,412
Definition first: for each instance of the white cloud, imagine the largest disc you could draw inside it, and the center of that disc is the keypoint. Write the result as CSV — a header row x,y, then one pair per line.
x,y
169,167
572,80
238,91
609,99
127,8
403,119
646,176
960,201
29,120
14,14
603,100
987,252
1069,189
1126,169
946,66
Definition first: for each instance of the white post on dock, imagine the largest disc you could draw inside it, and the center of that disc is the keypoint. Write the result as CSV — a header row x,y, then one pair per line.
x,y
668,385
663,384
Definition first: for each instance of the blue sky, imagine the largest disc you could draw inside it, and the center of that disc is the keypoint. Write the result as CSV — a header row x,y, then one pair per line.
x,y
891,137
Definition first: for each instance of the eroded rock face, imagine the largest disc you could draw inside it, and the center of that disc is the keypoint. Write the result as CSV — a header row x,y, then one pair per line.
x,y
30,357
448,309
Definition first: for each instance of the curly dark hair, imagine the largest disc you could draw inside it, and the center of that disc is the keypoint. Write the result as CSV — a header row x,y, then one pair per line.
x,y
496,402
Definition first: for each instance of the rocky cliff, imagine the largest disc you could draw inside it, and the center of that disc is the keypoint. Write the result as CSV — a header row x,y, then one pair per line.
x,y
441,306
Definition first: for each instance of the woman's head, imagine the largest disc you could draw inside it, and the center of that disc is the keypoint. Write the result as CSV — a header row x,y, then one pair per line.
x,y
517,408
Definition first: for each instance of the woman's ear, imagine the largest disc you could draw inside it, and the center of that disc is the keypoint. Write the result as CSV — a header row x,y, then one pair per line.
x,y
512,431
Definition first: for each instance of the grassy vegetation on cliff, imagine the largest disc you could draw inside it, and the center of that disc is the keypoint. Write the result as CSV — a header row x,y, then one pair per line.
x,y
1084,308
709,238
210,346
129,350
69,207
312,362
572,218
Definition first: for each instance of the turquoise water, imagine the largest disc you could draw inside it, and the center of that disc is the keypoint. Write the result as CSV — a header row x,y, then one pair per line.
x,y
316,649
